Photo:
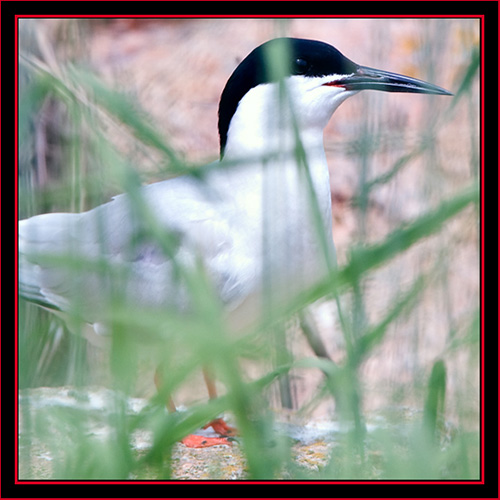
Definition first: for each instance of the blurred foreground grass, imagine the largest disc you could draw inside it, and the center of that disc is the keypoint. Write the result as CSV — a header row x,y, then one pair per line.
x,y
81,141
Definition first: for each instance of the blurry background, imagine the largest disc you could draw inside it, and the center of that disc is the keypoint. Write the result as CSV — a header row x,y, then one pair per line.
x,y
392,158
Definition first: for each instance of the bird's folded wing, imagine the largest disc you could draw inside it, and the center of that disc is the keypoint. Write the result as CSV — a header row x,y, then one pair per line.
x,y
86,258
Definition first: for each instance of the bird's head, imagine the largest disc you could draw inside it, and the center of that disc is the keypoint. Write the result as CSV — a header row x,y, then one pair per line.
x,y
317,78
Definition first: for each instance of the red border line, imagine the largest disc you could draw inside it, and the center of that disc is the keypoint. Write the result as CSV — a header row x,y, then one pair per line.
x,y
482,270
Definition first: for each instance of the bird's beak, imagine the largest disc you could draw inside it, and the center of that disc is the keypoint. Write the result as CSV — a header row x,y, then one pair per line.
x,y
375,79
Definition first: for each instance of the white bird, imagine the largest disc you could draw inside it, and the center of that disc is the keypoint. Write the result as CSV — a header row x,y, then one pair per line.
x,y
259,220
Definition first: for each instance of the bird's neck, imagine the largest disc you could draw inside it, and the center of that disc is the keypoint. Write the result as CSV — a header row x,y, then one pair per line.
x,y
265,125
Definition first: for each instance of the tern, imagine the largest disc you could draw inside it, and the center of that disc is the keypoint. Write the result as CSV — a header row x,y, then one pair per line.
x,y
259,219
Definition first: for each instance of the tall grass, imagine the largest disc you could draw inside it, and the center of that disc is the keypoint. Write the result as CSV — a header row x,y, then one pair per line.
x,y
81,141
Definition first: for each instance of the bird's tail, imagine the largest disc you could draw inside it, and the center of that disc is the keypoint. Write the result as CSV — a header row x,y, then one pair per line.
x,y
38,237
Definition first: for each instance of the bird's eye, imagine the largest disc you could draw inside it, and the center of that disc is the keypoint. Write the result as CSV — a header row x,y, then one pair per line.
x,y
300,66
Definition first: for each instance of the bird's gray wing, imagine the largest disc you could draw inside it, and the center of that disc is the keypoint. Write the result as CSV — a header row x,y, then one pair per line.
x,y
137,249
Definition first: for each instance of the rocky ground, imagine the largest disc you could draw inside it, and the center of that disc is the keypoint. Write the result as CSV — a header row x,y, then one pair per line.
x,y
46,436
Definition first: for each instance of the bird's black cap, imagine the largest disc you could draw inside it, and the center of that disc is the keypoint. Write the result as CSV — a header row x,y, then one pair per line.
x,y
295,56
305,57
